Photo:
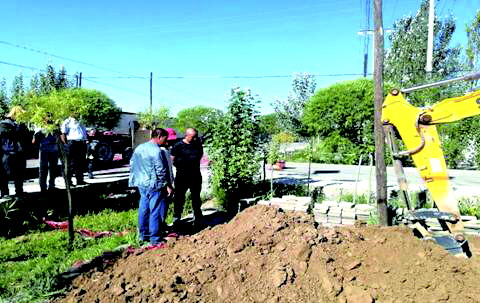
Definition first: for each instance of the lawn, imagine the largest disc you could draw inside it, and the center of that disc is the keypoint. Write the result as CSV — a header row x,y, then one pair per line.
x,y
30,264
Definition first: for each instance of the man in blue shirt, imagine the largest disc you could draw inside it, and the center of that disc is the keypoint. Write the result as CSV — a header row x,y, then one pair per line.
x,y
149,172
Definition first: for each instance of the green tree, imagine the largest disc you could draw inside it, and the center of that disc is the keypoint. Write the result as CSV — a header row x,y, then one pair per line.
x,y
342,116
234,152
17,96
93,107
34,85
61,80
150,118
3,97
200,117
48,80
290,111
269,125
406,59
473,45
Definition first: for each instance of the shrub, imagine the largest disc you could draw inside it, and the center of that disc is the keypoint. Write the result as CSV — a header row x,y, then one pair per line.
x,y
234,151
342,115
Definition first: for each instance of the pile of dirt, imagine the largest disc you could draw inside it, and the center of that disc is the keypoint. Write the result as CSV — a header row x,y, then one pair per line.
x,y
267,255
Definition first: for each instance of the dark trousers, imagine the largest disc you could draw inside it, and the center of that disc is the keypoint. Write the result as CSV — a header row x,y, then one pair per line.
x,y
12,168
76,154
48,164
187,181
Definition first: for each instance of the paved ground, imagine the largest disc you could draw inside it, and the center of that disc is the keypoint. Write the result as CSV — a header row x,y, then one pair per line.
x,y
117,172
348,177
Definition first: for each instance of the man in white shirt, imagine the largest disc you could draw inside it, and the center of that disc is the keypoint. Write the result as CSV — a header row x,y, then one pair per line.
x,y
74,137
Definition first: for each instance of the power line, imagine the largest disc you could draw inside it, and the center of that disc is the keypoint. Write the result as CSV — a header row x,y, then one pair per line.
x,y
114,86
188,77
61,57
18,65
223,77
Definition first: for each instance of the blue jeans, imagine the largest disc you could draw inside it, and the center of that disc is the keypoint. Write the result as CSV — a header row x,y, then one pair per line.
x,y
151,213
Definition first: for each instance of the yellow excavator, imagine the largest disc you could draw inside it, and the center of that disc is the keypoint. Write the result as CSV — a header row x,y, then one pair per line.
x,y
417,129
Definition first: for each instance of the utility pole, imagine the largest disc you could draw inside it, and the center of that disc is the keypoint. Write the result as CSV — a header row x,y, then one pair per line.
x,y
380,168
431,18
151,79
80,80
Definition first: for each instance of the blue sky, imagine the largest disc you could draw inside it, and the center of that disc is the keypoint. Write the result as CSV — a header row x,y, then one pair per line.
x,y
208,43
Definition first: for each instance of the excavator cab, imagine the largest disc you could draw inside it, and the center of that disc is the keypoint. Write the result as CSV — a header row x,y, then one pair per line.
x,y
417,129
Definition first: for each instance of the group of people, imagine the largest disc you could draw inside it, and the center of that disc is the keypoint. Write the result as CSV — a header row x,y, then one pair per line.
x,y
151,167
14,138
151,171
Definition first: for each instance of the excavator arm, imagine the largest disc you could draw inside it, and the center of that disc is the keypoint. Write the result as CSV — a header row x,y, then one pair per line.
x,y
417,129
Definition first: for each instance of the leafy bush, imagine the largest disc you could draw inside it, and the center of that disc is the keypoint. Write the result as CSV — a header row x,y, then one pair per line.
x,y
201,118
284,137
342,115
234,151
469,206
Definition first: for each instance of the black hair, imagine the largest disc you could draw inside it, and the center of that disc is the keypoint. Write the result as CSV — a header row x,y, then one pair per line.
x,y
159,132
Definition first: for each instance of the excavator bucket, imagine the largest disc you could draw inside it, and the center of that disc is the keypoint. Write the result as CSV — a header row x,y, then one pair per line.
x,y
456,245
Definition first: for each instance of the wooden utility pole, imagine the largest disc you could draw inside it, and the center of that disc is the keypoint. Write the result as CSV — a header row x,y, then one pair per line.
x,y
151,79
80,80
380,169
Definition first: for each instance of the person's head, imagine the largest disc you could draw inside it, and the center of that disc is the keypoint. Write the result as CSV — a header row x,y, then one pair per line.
x,y
191,134
15,112
49,118
159,136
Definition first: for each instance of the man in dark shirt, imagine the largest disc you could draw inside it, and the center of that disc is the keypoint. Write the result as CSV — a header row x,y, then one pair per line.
x,y
186,156
12,152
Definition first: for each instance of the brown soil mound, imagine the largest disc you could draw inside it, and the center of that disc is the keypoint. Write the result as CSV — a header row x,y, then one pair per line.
x,y
267,255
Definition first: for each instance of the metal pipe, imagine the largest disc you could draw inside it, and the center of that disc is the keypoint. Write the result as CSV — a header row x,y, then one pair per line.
x,y
370,156
358,177
468,77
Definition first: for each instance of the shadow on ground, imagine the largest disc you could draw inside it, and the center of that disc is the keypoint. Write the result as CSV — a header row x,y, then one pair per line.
x,y
211,218
22,214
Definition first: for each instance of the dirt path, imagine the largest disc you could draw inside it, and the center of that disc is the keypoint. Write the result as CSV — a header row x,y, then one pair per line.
x,y
266,255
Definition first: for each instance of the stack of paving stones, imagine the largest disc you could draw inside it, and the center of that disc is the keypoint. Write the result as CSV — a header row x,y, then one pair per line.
x,y
333,213
293,203
471,223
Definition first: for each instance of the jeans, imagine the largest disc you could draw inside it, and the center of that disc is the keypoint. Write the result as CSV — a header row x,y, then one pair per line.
x,y
152,212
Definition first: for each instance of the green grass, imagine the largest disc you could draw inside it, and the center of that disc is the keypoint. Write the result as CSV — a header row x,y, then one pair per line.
x,y
359,199
29,264
470,206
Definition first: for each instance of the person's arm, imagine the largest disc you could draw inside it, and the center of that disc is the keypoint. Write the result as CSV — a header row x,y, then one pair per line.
x,y
64,129
159,166
63,138
173,153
